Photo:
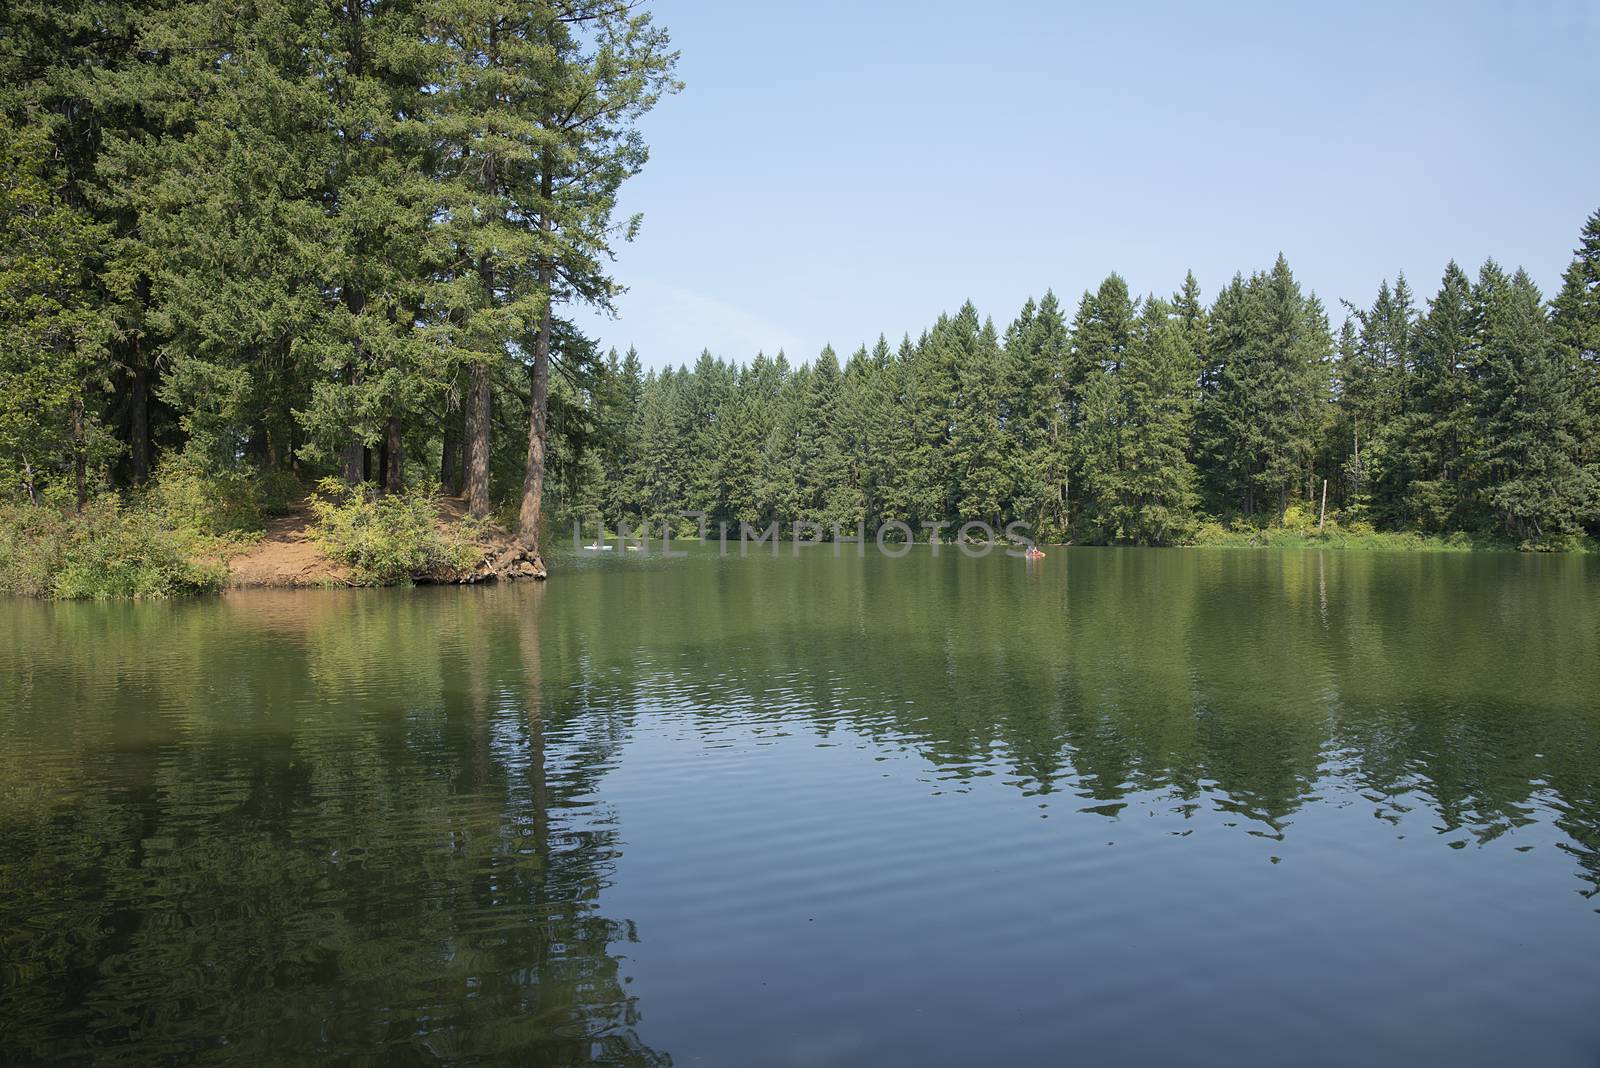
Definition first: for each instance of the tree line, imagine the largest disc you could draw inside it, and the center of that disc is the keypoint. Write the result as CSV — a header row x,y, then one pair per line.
x,y
309,235
339,238
1135,418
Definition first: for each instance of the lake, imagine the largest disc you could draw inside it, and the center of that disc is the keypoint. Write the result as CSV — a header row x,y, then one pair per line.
x,y
1225,807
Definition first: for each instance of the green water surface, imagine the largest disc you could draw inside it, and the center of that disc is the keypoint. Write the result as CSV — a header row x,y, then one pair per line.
x,y
1112,807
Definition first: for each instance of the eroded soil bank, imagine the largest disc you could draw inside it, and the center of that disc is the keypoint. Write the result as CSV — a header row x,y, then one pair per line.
x,y
288,556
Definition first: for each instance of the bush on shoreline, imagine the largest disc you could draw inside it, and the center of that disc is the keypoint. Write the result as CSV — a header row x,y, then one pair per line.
x,y
105,551
391,539
1299,530
188,496
1216,535
172,538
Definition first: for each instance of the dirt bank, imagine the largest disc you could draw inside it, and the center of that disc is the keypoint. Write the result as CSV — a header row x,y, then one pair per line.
x,y
288,557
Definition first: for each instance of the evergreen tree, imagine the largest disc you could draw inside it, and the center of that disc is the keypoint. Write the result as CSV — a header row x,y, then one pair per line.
x,y
894,441
1155,492
1289,385
660,480
1097,447
58,59
594,68
1033,409
50,332
485,64
1375,370
820,463
706,392
1223,416
932,377
1437,438
853,501
1533,477
1099,340
1190,313
232,233
1577,334
745,429
981,444
1265,389
781,497
384,365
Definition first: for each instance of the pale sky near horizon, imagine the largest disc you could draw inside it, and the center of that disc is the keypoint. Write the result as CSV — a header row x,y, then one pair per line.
x,y
834,171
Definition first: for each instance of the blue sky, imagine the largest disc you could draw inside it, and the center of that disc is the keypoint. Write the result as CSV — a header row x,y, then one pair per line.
x,y
837,170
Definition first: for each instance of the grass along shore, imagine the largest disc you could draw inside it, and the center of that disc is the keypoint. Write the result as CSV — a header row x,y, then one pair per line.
x,y
190,533
1300,529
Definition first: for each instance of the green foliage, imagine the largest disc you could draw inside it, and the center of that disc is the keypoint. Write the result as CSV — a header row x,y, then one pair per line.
x,y
1300,532
1575,326
392,538
105,551
188,493
1119,427
33,544
1135,437
235,237
251,234
48,327
1264,390
1532,470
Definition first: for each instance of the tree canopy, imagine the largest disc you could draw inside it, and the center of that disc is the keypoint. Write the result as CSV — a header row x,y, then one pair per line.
x,y
344,239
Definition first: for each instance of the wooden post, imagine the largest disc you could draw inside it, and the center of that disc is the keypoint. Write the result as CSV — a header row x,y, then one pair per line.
x,y
1324,516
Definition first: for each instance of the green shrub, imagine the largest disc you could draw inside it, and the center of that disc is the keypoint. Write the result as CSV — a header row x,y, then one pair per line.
x,y
188,494
104,551
185,495
278,491
394,538
33,542
1353,534
1300,518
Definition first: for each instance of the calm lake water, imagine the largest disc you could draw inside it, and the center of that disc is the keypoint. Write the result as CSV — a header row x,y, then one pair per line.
x,y
1114,807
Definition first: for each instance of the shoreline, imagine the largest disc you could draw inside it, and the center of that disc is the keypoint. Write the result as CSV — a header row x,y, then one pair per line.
x,y
289,554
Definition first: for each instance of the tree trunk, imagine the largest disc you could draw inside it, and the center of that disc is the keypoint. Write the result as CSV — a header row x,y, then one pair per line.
x,y
450,455
350,457
538,410
479,402
351,453
1357,440
394,458
478,414
139,425
539,404
80,461
353,458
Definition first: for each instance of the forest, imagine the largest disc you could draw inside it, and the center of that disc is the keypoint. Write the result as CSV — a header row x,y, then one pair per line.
x,y
303,239
1137,419
254,247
